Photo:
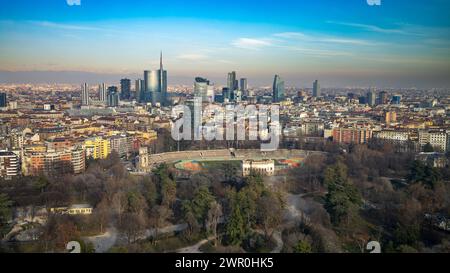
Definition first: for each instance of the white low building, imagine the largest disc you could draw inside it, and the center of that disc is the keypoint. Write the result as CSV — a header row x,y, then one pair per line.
x,y
262,167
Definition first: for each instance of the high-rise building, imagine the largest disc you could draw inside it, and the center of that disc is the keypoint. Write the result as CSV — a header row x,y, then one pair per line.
x,y
113,96
125,89
232,82
203,89
278,89
139,90
3,100
155,83
316,89
371,98
383,97
226,94
102,92
396,99
244,86
85,94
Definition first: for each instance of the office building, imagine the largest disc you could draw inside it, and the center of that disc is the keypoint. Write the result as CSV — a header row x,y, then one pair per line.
x,y
396,99
278,89
3,100
316,89
203,89
139,90
383,97
113,97
85,94
371,98
232,82
125,89
244,87
102,92
155,85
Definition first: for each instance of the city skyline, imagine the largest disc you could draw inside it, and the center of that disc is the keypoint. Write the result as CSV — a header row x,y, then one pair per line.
x,y
401,44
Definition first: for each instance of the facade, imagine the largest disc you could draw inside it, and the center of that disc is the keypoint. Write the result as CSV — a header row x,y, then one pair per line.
x,y
85,94
139,90
312,128
97,148
278,89
113,97
390,117
102,93
371,98
316,89
203,89
244,87
396,99
3,100
9,165
121,144
54,163
232,82
125,89
262,167
438,139
356,135
383,97
155,85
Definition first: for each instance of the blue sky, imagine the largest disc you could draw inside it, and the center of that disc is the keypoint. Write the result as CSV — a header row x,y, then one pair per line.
x,y
341,42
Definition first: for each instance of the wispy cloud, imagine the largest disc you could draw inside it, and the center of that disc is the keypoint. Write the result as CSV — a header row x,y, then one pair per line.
x,y
321,38
252,43
65,26
193,57
373,28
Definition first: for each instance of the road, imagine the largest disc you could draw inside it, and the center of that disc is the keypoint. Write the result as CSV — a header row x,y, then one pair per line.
x,y
195,248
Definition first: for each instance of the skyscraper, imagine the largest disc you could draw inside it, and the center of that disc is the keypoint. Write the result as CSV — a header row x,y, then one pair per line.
x,y
316,89
244,86
383,97
396,99
232,82
3,100
102,92
155,83
139,90
85,94
203,89
113,96
371,98
125,89
278,89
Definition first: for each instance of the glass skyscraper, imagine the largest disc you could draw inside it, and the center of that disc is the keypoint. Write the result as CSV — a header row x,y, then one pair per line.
x,y
102,92
113,96
125,89
85,94
278,89
3,100
155,85
316,89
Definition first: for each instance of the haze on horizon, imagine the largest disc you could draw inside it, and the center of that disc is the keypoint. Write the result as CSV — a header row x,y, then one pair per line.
x,y
343,43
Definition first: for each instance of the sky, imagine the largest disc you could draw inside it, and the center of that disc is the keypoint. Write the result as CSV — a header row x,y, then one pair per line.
x,y
400,43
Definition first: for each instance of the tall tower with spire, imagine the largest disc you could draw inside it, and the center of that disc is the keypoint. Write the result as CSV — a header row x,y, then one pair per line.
x,y
155,83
